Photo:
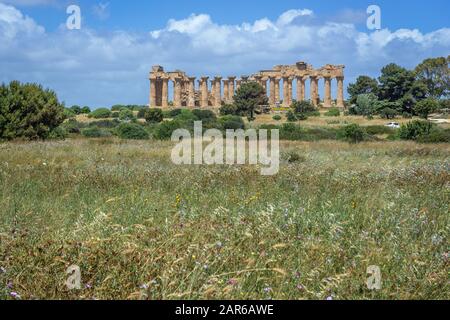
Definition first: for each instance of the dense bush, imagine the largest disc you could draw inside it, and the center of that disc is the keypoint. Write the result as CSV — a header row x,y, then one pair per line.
x,y
277,117
231,122
85,110
126,115
415,129
174,112
228,109
95,132
59,133
101,113
186,116
302,107
290,116
165,129
68,113
72,126
132,131
352,133
201,114
153,115
436,135
388,113
28,111
424,107
141,113
333,112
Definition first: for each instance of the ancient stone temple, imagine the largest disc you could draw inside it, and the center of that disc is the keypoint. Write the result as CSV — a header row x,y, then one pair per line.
x,y
278,82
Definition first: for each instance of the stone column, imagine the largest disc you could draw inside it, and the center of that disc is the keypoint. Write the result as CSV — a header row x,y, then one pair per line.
x,y
177,93
165,92
327,98
300,89
218,91
231,87
314,91
204,92
152,92
290,91
272,91
277,90
340,92
226,95
285,92
238,84
191,94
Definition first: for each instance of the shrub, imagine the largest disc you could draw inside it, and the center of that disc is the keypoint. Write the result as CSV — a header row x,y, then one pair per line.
x,y
76,109
126,115
436,135
291,117
302,107
174,112
85,110
132,131
231,122
72,126
204,114
290,131
165,129
154,115
101,113
95,132
424,107
302,117
333,112
374,130
228,109
28,111
141,113
277,117
352,133
68,113
388,113
59,133
186,116
415,129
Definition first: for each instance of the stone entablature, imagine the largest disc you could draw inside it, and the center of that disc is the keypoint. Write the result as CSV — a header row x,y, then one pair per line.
x,y
185,93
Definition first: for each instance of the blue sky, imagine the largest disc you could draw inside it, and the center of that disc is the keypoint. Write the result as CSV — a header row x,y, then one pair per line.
x,y
107,61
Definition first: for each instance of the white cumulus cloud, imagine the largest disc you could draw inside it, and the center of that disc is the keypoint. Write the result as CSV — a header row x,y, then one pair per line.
x,y
100,69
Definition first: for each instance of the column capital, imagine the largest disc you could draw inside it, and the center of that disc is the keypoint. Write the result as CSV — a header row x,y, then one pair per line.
x,y
232,78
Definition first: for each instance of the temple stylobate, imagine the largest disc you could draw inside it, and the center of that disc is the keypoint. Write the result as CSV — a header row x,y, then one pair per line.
x,y
278,83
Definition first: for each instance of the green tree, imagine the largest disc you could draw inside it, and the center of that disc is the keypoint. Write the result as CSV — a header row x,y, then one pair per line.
x,y
248,98
363,85
28,111
126,115
366,104
395,82
76,109
435,74
154,115
304,107
424,107
85,110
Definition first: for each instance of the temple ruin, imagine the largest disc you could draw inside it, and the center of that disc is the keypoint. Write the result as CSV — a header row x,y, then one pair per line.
x,y
278,83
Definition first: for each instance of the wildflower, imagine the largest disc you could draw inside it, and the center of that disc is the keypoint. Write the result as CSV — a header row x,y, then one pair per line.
x,y
267,289
2,270
205,267
300,287
330,298
219,244
232,282
88,286
144,286
9,285
15,295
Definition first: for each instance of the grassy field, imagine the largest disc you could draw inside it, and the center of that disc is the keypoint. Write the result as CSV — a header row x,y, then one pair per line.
x,y
140,227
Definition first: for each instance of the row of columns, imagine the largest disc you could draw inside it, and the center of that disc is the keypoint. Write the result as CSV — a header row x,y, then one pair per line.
x,y
159,90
